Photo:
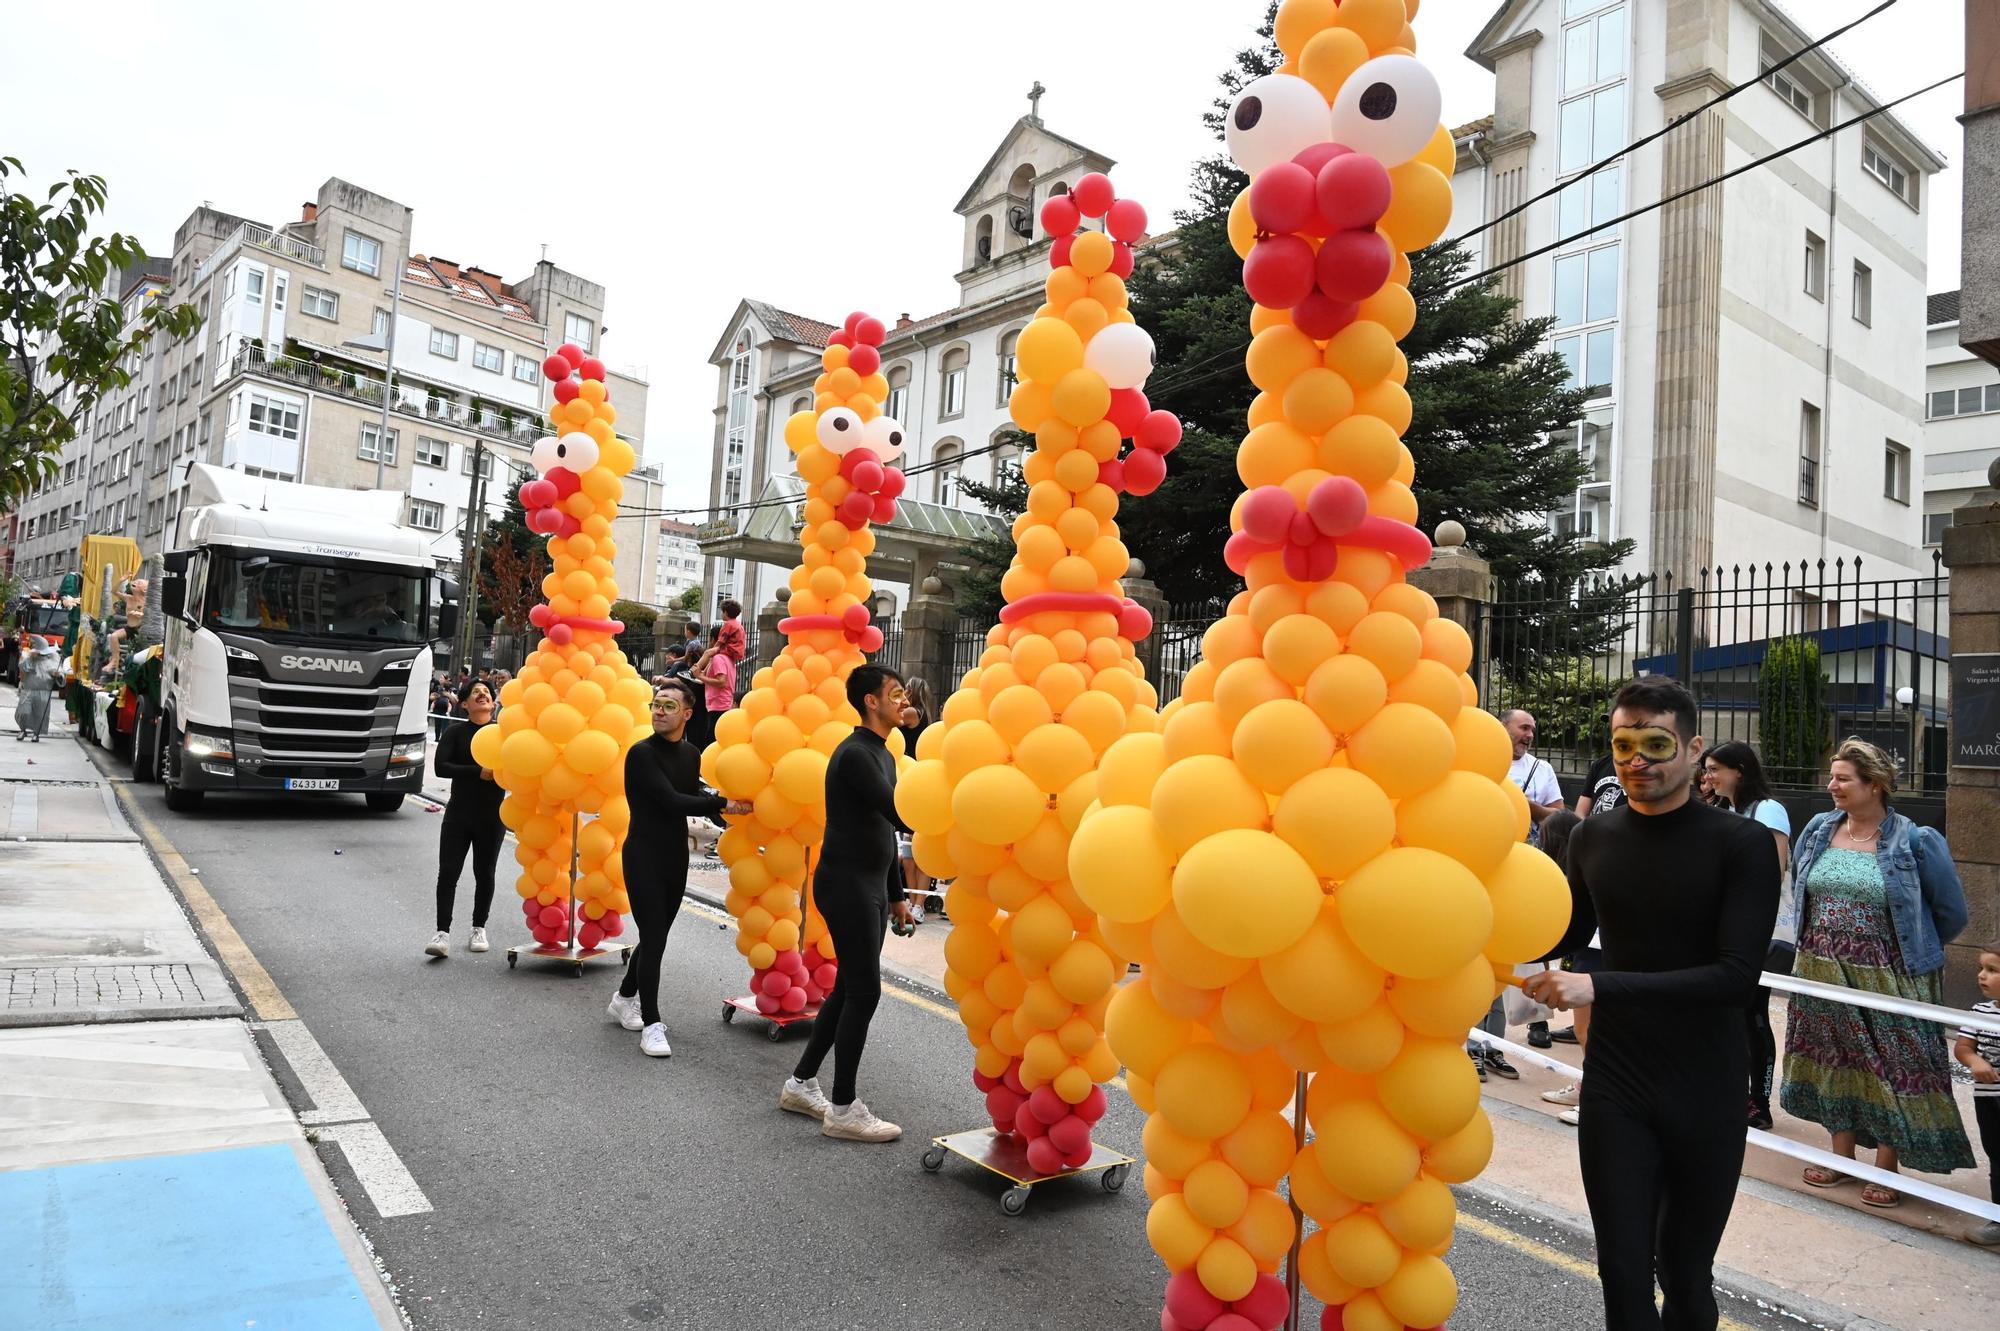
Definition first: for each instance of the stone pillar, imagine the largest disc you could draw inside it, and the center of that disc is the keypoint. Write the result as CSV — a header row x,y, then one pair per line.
x,y
1979,293
1139,588
1972,798
1461,583
770,641
929,621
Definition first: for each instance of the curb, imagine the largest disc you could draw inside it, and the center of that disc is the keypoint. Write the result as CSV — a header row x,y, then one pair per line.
x,y
890,970
219,1010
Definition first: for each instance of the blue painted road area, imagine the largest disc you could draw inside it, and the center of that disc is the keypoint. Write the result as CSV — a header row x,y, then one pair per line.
x,y
231,1238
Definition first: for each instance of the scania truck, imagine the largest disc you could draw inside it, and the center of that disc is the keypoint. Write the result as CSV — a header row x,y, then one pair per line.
x,y
297,655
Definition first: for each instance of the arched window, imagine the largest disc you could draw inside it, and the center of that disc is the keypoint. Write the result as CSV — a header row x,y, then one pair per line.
x,y
1008,367
898,404
1020,213
1022,182
982,241
951,395
803,402
1006,454
949,460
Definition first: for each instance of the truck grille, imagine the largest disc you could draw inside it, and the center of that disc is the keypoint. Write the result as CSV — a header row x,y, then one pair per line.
x,y
316,723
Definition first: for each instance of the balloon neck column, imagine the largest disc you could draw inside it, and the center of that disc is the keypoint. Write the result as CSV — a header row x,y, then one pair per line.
x,y
1006,774
772,750
568,718
1318,861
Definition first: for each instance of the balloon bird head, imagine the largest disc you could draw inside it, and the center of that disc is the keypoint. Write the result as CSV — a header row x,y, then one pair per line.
x,y
574,496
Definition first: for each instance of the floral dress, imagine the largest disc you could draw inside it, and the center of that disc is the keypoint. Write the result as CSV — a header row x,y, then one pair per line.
x,y
1882,1077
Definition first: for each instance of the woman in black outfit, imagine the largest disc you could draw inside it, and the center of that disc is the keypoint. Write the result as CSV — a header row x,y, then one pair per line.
x,y
663,787
471,822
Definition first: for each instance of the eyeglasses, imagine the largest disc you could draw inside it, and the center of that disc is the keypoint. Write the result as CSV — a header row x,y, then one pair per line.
x,y
667,705
1652,744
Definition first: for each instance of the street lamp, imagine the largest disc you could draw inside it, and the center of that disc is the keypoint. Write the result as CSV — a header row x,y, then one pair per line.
x,y
1907,697
386,344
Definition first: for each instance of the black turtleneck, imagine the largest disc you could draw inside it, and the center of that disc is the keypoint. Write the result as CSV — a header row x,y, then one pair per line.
x,y
861,821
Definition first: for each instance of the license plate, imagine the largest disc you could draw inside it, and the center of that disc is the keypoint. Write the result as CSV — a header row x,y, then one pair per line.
x,y
311,783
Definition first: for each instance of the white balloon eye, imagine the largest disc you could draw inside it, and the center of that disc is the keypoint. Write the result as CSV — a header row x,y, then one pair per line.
x,y
575,451
839,430
1388,109
543,455
883,437
1273,120
1122,354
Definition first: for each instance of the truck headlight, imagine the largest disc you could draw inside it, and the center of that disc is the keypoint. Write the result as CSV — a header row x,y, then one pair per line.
x,y
409,751
208,746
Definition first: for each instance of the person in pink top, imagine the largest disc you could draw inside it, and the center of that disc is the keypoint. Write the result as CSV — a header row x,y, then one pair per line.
x,y
716,673
732,640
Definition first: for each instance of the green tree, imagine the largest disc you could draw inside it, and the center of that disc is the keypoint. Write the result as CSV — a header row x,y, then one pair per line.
x,y
690,599
513,561
1792,711
53,305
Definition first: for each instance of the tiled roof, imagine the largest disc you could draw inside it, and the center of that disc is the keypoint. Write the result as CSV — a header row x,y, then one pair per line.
x,y
1471,127
1942,308
806,332
470,284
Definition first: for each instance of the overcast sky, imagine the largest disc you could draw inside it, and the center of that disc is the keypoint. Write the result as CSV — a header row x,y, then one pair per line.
x,y
687,155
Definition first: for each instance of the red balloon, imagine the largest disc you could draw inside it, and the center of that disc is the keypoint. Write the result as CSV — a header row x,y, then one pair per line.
x,y
841,340
791,963
1337,505
544,520
590,935
1303,532
1267,513
885,510
853,322
854,617
1060,216
1319,317
566,390
1002,1103
1094,194
1128,410
864,360
1265,1305
825,974
1353,191
1279,272
893,482
982,1081
1135,621
561,634
1311,563
1121,260
767,1005
1189,1302
1167,1323
555,367
1282,199
869,331
1071,1135
1126,221
867,474
553,917
566,481
774,982
793,1000
567,524
1144,470
1235,1322
1047,1106
1059,251
1330,1319
1043,1157
571,352
1112,473
1353,265
856,508
612,923
542,616
1319,154
871,639
592,368
1012,1078
1160,431
850,460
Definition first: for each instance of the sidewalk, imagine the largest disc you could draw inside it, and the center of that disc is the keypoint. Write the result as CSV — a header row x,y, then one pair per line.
x,y
151,1172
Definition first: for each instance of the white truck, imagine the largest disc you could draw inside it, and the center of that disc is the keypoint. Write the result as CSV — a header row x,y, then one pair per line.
x,y
297,655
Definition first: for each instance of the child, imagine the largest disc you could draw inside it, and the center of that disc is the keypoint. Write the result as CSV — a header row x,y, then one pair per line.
x,y
731,638
1980,1051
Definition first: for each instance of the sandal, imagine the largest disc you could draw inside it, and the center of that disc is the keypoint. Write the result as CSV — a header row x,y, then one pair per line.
x,y
1874,1194
1819,1176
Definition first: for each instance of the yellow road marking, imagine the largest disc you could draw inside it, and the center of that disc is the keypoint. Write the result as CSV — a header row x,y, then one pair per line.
x,y
1555,1257
265,998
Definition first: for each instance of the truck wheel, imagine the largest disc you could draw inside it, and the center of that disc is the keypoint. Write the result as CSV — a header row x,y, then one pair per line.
x,y
145,746
178,797
384,801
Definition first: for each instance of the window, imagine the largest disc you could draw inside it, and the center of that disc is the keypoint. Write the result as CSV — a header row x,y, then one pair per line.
x,y
433,452
951,400
1590,202
1790,83
379,325
485,464
274,416
527,369
899,393
1864,293
371,433
1964,401
489,358
1877,162
253,286
361,253
1809,455
320,304
1895,472
577,330
426,515
1944,403
1586,293
444,344
1009,369
1594,51
1934,525
1815,267
279,285
949,459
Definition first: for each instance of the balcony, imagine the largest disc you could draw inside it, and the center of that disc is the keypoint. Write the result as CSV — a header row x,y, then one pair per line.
x,y
262,238
509,424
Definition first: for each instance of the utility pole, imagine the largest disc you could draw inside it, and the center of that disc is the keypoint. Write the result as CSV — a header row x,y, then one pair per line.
x,y
468,563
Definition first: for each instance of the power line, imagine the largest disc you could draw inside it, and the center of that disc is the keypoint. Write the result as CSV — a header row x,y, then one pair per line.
x,y
753,504
1673,124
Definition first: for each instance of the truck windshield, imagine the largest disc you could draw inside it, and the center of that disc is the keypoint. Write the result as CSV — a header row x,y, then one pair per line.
x,y
314,600
47,619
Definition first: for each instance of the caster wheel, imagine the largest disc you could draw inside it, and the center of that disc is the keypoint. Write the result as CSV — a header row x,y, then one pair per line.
x,y
579,970
1014,1201
775,1033
625,954
933,1160
728,1013
511,959
1114,1177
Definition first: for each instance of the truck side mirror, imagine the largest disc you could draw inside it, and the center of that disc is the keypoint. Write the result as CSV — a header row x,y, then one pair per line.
x,y
173,595
447,620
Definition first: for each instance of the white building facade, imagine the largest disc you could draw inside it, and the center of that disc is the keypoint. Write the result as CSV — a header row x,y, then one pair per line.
x,y
1753,351
678,565
1962,434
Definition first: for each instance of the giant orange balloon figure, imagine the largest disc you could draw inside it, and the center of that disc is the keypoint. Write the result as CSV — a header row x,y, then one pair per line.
x,y
1006,773
772,750
1318,861
567,719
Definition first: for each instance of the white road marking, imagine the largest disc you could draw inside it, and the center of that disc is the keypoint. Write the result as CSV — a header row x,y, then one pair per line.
x,y
107,1090
334,1101
380,1170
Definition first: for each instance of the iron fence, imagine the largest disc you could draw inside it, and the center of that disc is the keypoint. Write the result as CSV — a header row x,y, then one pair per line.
x,y
1179,645
891,654
1787,657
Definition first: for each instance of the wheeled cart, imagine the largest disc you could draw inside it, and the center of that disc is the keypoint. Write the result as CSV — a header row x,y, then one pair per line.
x,y
1006,1154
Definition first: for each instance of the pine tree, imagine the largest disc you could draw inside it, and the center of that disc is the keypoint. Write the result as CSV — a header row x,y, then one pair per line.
x,y
512,563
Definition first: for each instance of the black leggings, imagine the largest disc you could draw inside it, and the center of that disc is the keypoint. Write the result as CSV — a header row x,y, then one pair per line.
x,y
655,891
482,838
1757,1029
1986,1112
857,916
1660,1188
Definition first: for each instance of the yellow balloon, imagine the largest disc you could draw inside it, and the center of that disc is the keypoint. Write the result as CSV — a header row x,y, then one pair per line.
x,y
1464,816
1129,769
1337,819
1422,1292
1261,1150
559,723
1204,1092
1120,865
1446,1005
1226,1270
527,753
1404,749
1052,757
1430,1095
1175,1234
1363,1253
1460,1157
1415,912
1246,893
486,742
800,775
923,796
1363,1153
1143,1033
997,805
1280,741
1200,796
1323,976
1216,1194
1531,906
1421,1215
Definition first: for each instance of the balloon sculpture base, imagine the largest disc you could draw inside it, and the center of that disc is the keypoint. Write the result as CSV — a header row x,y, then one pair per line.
x,y
777,1021
574,954
1006,1154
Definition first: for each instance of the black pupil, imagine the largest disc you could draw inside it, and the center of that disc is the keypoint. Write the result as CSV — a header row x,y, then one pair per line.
x,y
1248,112
895,436
840,422
1378,102
562,450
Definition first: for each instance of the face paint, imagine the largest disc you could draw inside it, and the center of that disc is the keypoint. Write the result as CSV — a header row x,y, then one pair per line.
x,y
1655,744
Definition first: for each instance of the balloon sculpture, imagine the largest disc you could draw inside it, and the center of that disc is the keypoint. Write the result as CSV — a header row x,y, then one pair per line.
x,y
1319,860
772,750
577,705
1003,778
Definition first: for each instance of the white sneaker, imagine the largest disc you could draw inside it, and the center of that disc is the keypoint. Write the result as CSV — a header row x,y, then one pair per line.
x,y
857,1123
653,1042
1571,1116
804,1097
478,943
440,944
1566,1095
625,1011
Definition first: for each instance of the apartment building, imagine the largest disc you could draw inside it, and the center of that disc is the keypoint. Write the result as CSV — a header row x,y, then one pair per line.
x,y
679,566
1962,431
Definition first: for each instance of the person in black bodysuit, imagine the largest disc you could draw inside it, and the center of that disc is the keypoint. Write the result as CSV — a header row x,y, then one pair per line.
x,y
663,788
1684,895
858,887
471,822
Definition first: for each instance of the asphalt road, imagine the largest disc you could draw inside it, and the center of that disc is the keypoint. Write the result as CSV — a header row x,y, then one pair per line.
x,y
577,1183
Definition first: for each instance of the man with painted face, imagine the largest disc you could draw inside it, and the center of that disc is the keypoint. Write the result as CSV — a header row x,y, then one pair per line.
x,y
663,787
1684,896
858,887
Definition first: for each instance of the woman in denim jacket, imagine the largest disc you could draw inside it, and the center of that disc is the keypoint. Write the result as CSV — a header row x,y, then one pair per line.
x,y
1876,900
